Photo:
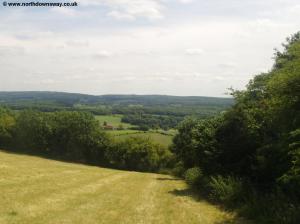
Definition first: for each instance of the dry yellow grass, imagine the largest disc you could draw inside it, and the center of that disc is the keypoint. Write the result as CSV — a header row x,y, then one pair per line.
x,y
35,190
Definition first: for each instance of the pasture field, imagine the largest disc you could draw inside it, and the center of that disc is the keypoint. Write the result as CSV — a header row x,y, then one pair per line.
x,y
114,120
34,190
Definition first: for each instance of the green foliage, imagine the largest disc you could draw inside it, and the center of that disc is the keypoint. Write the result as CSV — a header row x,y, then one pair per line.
x,y
195,143
252,139
179,169
227,189
70,135
76,136
290,181
193,176
256,140
137,153
147,121
33,131
273,207
7,122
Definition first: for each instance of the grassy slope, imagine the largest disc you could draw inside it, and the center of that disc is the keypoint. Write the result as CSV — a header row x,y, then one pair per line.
x,y
35,190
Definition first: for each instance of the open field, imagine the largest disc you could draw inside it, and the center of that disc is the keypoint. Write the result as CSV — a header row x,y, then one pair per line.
x,y
114,120
35,190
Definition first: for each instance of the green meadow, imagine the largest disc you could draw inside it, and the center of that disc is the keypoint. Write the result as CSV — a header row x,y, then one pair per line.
x,y
34,190
113,120
162,137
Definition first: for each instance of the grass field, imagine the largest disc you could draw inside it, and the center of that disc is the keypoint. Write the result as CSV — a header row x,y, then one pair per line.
x,y
114,120
35,190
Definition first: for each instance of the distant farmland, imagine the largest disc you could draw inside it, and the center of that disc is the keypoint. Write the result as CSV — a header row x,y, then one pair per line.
x,y
162,137
114,120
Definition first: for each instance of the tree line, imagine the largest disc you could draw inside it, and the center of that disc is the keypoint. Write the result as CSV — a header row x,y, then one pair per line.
x,y
115,104
249,156
76,136
148,121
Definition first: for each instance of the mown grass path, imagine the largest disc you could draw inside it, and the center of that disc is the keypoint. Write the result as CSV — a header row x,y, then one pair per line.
x,y
35,190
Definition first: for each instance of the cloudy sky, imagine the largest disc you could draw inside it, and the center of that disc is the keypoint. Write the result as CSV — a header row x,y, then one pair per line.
x,y
175,47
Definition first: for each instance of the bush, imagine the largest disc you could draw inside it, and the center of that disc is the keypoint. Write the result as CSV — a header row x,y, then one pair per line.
x,y
228,190
193,175
179,169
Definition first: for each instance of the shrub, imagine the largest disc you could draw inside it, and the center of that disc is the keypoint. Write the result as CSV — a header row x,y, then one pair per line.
x,y
179,169
228,190
193,175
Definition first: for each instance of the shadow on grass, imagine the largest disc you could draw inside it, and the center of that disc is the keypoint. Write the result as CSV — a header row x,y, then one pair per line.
x,y
53,157
188,192
199,196
65,159
184,192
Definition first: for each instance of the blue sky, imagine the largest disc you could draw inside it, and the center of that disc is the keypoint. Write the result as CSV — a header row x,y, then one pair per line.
x,y
175,47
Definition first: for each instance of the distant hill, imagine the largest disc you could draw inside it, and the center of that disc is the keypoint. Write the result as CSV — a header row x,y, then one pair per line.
x,y
103,104
74,98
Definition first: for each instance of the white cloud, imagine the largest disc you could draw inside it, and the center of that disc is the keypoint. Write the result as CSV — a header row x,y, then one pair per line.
x,y
186,1
219,78
199,49
130,9
77,43
133,9
194,51
11,51
103,54
47,81
228,65
64,11
120,16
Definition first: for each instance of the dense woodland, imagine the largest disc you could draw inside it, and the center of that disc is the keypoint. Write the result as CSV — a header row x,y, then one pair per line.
x,y
247,158
148,121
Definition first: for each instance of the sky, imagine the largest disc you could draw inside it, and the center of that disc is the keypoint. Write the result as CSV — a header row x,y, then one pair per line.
x,y
173,47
